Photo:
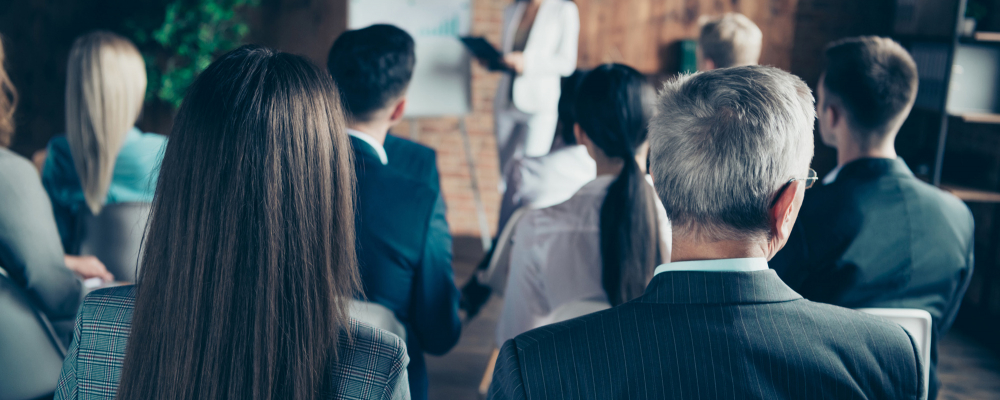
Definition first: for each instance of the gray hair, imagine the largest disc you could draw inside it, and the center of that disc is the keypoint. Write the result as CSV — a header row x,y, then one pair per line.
x,y
723,143
730,40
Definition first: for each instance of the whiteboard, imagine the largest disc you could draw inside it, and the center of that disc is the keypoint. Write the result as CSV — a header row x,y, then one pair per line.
x,y
441,78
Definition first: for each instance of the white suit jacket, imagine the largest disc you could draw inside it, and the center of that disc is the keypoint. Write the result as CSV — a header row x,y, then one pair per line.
x,y
549,55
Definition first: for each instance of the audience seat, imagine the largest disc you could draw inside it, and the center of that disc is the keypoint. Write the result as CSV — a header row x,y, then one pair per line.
x,y
917,323
115,237
31,356
377,315
495,275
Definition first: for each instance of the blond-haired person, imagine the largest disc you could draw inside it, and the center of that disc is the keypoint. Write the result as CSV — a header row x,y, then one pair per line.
x,y
102,159
729,40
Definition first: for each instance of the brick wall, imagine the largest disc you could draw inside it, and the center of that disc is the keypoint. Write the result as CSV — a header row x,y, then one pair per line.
x,y
443,135
636,32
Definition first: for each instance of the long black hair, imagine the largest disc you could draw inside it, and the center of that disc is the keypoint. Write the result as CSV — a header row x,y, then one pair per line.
x,y
249,262
613,108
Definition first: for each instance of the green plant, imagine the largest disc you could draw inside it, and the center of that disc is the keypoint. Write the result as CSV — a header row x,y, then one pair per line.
x,y
976,10
190,35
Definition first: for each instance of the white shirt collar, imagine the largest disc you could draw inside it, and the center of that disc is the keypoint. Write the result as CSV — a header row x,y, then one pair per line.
x,y
722,265
832,176
379,149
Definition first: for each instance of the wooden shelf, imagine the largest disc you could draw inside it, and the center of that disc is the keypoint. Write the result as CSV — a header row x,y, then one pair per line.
x,y
972,195
987,36
979,118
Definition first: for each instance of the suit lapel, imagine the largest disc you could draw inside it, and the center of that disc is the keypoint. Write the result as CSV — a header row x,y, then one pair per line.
x,y
690,287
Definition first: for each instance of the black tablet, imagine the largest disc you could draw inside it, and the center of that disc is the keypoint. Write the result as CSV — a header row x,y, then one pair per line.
x,y
485,52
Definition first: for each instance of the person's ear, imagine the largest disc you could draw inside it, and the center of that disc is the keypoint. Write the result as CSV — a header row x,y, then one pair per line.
x,y
834,115
581,138
398,111
784,213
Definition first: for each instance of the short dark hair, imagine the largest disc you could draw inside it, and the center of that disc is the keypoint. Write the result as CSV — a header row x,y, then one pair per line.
x,y
874,78
371,66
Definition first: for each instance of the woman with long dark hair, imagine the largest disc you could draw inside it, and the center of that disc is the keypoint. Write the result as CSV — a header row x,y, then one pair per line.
x,y
601,245
249,264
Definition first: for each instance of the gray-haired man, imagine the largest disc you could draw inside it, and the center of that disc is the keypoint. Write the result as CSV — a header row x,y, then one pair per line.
x,y
730,154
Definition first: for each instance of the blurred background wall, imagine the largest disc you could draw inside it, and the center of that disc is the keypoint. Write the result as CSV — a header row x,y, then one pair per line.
x,y
642,33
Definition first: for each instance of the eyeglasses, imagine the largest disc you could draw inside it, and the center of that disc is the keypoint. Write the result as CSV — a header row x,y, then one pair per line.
x,y
809,180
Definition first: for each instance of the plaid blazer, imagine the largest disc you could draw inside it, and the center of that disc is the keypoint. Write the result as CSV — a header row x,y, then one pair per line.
x,y
372,366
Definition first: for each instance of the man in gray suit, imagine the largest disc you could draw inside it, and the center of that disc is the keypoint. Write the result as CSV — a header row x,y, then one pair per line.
x,y
730,154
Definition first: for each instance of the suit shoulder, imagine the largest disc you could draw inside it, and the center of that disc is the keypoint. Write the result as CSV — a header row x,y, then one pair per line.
x,y
872,331
116,302
410,148
555,335
948,201
372,343
12,164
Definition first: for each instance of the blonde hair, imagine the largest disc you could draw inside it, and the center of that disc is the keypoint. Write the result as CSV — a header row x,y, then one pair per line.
x,y
730,40
8,102
105,86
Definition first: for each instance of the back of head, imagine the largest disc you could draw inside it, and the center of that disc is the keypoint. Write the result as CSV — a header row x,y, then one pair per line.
x,y
723,143
730,40
875,80
613,107
249,257
8,102
105,87
372,67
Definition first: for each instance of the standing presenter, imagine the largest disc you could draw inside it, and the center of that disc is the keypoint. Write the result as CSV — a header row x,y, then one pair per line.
x,y
539,44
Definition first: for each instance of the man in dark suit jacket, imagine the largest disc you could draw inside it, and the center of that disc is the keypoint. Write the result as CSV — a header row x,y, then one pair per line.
x,y
404,247
873,235
716,322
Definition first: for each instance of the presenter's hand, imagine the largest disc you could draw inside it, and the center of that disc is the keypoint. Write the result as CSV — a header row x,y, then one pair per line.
x,y
515,61
88,267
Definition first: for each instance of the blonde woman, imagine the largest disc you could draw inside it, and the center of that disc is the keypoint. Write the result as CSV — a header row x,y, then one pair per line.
x,y
103,159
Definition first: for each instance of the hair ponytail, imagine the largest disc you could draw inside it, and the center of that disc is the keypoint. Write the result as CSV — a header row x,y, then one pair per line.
x,y
612,109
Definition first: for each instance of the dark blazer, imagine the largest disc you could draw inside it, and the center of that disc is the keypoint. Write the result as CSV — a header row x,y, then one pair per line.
x,y
879,237
712,335
404,248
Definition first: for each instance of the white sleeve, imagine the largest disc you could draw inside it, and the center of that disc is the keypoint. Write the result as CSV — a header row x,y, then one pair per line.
x,y
563,61
523,300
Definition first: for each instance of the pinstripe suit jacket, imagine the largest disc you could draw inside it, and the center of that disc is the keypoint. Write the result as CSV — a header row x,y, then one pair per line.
x,y
712,335
372,367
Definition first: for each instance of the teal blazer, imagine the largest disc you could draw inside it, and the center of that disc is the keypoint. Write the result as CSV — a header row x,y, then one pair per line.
x,y
133,180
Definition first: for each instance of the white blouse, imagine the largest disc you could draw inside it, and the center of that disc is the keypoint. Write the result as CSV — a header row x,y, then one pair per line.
x,y
556,259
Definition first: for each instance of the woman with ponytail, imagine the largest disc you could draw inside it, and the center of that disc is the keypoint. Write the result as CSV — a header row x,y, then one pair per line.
x,y
602,244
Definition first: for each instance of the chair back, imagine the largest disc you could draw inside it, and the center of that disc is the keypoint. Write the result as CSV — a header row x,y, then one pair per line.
x,y
917,323
495,275
377,315
31,355
115,237
576,309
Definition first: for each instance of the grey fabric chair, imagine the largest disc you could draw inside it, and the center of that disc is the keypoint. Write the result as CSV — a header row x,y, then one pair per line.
x,y
31,356
115,237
